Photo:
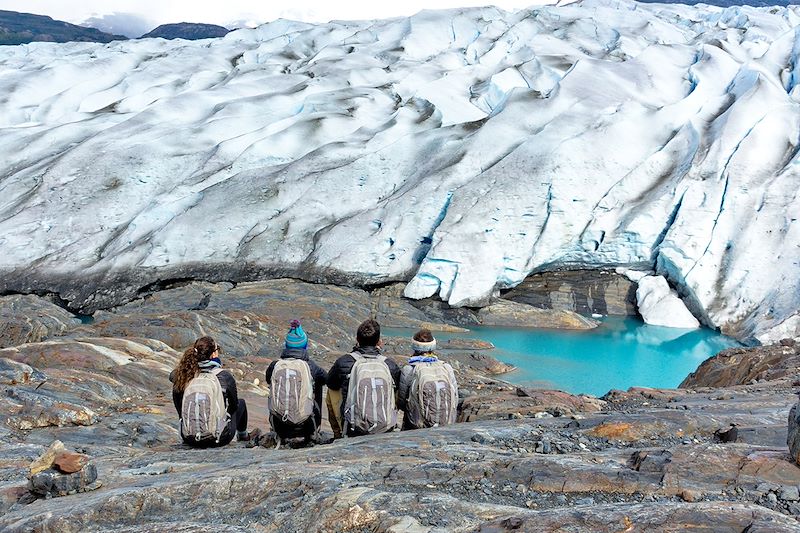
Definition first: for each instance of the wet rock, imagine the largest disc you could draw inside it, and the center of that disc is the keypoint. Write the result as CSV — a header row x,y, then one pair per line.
x,y
481,362
466,344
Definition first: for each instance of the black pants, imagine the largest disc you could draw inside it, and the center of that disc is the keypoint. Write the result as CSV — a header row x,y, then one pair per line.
x,y
238,422
286,430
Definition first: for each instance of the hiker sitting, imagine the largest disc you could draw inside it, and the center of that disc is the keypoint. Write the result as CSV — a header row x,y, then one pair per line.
x,y
296,382
367,382
205,396
428,392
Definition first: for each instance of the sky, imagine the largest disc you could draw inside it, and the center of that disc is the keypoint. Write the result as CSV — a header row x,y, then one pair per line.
x,y
134,17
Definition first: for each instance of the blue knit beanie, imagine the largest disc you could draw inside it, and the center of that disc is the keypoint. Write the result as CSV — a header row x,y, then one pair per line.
x,y
296,338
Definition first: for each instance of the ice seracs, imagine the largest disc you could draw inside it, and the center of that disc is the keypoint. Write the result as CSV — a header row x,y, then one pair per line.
x,y
661,306
461,150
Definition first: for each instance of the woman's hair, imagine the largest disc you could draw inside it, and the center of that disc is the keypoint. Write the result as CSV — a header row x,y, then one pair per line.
x,y
423,335
188,367
423,342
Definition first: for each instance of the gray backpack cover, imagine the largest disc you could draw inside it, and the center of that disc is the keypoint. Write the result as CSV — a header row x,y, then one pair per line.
x,y
370,406
433,396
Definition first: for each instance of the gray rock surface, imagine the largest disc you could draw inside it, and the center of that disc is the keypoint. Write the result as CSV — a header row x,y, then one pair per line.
x,y
530,460
738,366
27,318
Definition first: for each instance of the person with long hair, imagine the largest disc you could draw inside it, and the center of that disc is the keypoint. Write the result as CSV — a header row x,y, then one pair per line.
x,y
204,357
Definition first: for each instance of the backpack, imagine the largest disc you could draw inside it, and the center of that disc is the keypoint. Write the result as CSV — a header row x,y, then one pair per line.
x,y
203,413
370,404
292,391
433,395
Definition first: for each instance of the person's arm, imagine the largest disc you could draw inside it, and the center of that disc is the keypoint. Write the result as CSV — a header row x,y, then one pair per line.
x,y
177,397
319,375
228,383
177,400
270,370
405,384
395,371
336,376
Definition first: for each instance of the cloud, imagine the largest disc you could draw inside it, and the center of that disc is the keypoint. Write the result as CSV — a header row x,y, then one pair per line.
x,y
127,24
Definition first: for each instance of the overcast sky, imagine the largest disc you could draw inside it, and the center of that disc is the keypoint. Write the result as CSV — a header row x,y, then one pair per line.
x,y
135,17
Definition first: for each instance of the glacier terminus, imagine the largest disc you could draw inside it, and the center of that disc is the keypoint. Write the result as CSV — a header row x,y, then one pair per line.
x,y
458,150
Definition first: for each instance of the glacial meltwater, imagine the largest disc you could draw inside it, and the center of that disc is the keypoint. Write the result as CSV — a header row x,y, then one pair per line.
x,y
622,352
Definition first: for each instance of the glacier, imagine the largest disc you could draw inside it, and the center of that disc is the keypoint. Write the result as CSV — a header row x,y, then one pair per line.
x,y
458,150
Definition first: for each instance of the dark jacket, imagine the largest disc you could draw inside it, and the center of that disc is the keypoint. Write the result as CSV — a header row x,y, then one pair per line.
x,y
229,392
339,375
319,376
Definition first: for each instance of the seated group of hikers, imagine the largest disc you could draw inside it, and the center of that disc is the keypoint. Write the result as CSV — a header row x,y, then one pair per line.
x,y
365,390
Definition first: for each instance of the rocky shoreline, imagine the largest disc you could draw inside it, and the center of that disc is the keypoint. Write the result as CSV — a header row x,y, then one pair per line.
x,y
528,460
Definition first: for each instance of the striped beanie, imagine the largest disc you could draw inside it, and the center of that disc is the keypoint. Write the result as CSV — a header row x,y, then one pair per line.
x,y
296,338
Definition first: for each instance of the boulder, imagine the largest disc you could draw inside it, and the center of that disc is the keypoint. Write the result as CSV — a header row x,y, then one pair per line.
x,y
51,482
793,439
45,461
70,462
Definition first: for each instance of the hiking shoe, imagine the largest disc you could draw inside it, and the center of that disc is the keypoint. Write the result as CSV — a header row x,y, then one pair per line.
x,y
242,436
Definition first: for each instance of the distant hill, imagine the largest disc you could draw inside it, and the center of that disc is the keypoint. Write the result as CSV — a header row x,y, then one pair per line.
x,y
21,28
187,30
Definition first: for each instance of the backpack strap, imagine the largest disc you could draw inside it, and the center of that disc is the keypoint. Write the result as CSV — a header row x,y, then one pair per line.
x,y
216,372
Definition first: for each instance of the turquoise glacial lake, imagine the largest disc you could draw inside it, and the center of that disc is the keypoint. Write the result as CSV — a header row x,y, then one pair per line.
x,y
622,352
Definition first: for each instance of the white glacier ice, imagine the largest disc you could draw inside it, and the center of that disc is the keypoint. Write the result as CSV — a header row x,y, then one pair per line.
x,y
461,150
661,306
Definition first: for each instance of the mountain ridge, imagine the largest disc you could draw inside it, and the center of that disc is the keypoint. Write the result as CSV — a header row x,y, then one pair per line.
x,y
22,28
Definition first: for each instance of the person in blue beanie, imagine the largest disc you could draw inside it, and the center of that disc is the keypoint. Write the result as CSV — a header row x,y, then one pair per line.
x,y
290,415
